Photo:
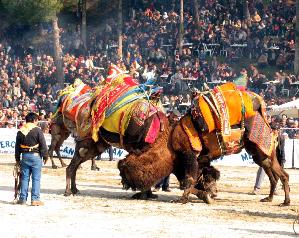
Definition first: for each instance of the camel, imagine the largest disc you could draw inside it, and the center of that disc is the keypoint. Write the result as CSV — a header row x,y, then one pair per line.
x,y
188,146
59,134
62,126
119,112
133,141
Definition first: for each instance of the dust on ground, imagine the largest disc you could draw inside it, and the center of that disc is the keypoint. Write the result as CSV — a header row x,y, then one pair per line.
x,y
103,209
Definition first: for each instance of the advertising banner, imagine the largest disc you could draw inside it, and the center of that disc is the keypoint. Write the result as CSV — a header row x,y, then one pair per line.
x,y
67,150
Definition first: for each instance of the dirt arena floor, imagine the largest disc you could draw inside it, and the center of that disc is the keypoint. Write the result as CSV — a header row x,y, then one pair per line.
x,y
103,209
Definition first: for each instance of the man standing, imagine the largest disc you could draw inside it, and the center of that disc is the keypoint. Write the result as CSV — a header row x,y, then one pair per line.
x,y
31,143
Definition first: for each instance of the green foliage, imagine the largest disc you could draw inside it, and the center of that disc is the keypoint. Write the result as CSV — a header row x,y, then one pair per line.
x,y
70,4
32,11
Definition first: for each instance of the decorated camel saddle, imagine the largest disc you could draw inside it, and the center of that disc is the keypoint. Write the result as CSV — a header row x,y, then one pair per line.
x,y
68,95
220,116
112,105
121,100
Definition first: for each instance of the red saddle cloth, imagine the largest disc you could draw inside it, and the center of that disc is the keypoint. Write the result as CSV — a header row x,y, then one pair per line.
x,y
116,84
70,104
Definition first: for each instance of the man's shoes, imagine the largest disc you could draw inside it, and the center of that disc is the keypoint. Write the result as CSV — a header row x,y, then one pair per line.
x,y
166,190
37,203
255,191
21,202
156,189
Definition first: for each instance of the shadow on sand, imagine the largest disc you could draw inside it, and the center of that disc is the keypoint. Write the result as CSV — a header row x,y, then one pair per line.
x,y
262,214
267,232
98,193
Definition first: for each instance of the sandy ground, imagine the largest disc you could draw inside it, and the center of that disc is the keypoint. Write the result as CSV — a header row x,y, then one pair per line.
x,y
103,209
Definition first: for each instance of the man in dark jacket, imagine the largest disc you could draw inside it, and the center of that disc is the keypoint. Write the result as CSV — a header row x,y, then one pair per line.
x,y
31,143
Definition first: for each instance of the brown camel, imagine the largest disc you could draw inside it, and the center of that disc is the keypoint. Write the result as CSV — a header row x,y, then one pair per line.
x,y
60,133
133,141
175,152
63,124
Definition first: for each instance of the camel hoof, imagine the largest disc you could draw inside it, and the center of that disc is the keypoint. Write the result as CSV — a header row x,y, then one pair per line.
x,y
285,204
63,165
266,199
144,196
180,200
139,196
75,191
207,199
54,166
95,168
67,193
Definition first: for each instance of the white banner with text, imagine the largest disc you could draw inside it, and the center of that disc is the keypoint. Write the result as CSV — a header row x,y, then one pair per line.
x,y
67,150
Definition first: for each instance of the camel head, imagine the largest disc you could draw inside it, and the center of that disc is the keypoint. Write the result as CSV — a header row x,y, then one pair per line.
x,y
208,180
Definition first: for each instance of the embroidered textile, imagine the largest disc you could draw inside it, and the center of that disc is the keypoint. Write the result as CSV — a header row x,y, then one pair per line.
x,y
261,135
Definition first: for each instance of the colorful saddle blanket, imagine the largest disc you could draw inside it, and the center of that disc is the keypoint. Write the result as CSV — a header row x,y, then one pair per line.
x,y
261,135
115,100
223,107
226,106
106,95
69,95
79,111
111,104
137,111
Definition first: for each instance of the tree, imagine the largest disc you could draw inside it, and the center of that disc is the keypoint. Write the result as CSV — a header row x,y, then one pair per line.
x,y
296,63
83,23
196,13
181,30
37,11
32,11
58,52
119,30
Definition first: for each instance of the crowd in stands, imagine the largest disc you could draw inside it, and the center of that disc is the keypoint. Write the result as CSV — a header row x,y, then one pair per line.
x,y
212,47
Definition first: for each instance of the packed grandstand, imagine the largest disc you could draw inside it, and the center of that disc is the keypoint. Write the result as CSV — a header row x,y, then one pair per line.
x,y
224,47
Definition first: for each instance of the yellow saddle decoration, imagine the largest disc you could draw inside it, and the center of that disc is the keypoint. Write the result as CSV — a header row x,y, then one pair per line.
x,y
192,133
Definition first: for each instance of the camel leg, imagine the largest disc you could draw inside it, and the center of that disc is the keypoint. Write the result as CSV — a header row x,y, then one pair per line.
x,y
273,180
279,172
190,165
51,149
71,171
94,165
62,138
185,197
275,171
74,189
145,195
272,168
85,150
57,150
203,195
